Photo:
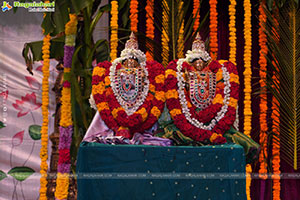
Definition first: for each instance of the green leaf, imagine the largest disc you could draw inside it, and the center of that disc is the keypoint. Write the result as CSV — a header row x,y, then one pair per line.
x,y
20,173
35,131
60,16
2,125
2,175
47,24
80,4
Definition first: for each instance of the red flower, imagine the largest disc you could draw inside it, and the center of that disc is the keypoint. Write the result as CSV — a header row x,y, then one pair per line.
x,y
4,94
64,156
96,79
27,104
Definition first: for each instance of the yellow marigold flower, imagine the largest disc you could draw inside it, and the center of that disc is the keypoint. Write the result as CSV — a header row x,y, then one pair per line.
x,y
219,75
160,79
98,89
214,136
222,61
66,70
155,111
189,104
107,81
62,186
102,106
218,99
151,87
234,78
175,112
233,102
160,95
143,112
170,72
100,71
115,112
172,94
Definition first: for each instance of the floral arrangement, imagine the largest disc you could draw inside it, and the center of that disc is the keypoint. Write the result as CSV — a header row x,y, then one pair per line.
x,y
263,96
66,124
112,113
45,113
196,14
212,122
164,35
232,32
134,4
149,26
114,30
247,81
213,27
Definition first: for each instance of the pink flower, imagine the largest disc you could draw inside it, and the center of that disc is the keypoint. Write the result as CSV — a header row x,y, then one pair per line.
x,y
32,82
4,94
27,104
17,138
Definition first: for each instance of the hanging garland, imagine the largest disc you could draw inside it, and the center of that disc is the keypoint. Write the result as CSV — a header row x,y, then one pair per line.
x,y
232,32
212,122
180,42
66,124
196,14
263,96
149,27
45,113
247,81
112,113
213,28
164,35
114,30
134,4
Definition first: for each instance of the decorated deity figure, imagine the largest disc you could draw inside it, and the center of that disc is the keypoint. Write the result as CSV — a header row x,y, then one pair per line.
x,y
202,97
129,95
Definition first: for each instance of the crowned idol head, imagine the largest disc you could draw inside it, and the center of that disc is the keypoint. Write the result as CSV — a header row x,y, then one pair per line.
x,y
131,56
198,56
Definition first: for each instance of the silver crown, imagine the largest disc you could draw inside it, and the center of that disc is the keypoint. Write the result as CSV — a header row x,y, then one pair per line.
x,y
132,42
198,44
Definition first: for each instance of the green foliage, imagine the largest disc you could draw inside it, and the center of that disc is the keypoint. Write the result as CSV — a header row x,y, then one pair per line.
x,y
21,173
2,175
2,125
35,132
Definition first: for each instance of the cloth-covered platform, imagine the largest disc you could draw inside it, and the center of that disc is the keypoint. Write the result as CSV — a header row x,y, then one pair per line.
x,y
153,172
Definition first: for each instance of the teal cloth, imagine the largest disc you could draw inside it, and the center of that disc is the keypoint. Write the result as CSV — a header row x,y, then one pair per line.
x,y
96,159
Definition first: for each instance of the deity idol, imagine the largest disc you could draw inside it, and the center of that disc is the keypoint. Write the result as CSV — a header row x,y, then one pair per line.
x,y
202,96
129,96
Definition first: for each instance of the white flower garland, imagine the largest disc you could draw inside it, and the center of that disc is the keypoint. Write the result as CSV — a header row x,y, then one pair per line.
x,y
183,102
191,55
126,54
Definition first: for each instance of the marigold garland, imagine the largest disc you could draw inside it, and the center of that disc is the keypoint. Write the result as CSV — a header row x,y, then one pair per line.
x,y
114,30
263,96
206,115
111,111
134,4
164,35
150,27
66,124
213,29
196,14
247,81
232,32
45,113
180,42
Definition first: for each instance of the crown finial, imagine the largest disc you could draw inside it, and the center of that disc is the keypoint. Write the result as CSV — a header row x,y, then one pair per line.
x,y
198,44
132,42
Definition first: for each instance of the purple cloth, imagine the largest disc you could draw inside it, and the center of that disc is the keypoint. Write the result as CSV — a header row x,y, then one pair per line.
x,y
63,168
99,132
65,137
68,51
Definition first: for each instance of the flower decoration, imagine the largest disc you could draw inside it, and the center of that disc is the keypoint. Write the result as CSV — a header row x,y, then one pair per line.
x,y
114,30
212,122
66,123
247,82
134,4
164,35
196,14
180,42
26,105
213,27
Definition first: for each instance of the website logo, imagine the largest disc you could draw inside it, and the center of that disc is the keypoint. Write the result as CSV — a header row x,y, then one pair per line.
x,y
6,6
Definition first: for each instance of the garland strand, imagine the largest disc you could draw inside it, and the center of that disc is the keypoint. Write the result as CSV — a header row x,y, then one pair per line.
x,y
276,121
134,4
232,32
66,124
114,30
213,27
149,27
247,81
180,42
196,14
164,36
45,113
263,96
